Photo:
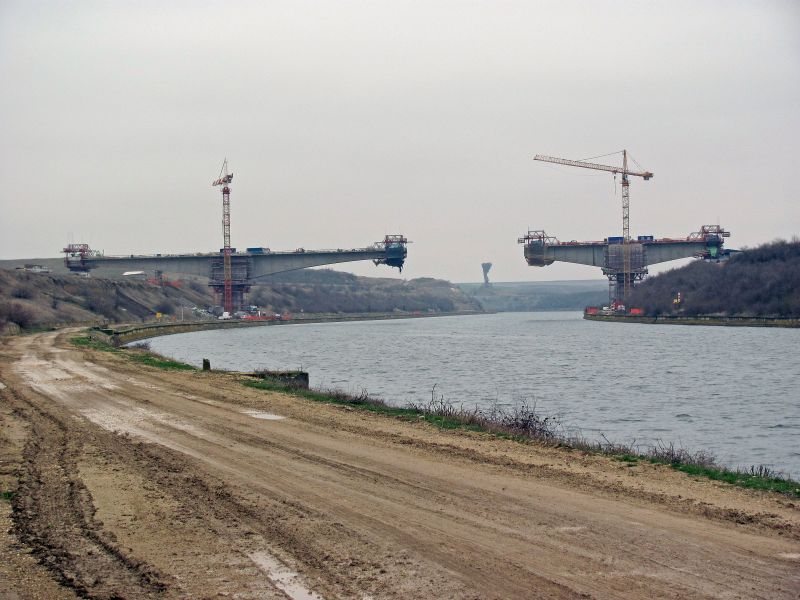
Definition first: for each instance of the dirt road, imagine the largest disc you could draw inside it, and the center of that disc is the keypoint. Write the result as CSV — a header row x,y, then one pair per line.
x,y
132,482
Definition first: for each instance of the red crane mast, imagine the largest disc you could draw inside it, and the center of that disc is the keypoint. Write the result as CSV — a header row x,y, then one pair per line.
x,y
224,179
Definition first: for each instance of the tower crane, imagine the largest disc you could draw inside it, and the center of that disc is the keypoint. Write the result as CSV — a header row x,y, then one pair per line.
x,y
624,171
224,179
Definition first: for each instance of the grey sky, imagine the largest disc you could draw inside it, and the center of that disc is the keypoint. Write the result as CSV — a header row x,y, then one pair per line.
x,y
343,121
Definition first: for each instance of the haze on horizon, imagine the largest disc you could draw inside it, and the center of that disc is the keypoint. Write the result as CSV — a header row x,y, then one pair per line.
x,y
343,121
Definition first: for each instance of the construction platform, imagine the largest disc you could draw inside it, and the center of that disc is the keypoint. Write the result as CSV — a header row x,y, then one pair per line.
x,y
246,267
541,250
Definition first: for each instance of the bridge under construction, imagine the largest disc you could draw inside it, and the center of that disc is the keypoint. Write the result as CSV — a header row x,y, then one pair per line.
x,y
542,250
231,273
246,267
624,260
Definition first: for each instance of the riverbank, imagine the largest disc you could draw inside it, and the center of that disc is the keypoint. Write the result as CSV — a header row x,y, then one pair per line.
x,y
783,322
186,483
522,423
124,334
556,361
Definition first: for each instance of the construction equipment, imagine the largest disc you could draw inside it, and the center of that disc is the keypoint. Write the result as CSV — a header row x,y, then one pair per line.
x,y
76,255
394,247
224,180
626,234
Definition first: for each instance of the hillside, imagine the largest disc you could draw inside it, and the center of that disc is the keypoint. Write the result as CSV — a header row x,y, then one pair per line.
x,y
538,295
325,290
36,300
762,281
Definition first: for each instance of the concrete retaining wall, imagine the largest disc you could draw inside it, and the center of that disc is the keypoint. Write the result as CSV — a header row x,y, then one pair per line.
x,y
126,334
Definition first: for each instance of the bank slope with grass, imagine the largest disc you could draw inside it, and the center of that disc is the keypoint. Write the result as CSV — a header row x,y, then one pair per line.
x,y
757,282
521,423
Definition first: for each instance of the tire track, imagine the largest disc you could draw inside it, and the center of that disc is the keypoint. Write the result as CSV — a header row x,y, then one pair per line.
x,y
54,516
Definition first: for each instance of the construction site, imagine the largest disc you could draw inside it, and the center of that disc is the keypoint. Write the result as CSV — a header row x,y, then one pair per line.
x,y
622,259
230,272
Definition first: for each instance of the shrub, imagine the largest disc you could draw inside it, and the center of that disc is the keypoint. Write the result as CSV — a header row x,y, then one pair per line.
x,y
24,292
763,281
15,312
165,307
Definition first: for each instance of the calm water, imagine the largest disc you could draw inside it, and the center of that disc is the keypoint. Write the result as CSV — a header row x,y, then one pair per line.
x,y
733,391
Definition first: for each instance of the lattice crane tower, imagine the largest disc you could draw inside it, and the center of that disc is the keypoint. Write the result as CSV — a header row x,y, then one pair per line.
x,y
626,230
224,180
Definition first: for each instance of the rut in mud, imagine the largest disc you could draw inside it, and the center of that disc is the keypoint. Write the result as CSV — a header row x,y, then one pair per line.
x,y
55,516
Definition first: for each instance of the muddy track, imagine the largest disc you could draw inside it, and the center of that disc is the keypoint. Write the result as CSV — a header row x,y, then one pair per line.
x,y
139,483
54,515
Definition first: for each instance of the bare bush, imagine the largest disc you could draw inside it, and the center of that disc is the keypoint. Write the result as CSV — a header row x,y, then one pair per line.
x,y
763,471
165,307
669,453
102,305
26,292
762,281
522,420
15,312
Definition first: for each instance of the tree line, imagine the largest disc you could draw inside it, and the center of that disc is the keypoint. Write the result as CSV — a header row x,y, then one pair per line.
x,y
762,281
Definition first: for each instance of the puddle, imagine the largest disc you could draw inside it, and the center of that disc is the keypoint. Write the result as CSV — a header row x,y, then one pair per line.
x,y
283,577
790,555
263,415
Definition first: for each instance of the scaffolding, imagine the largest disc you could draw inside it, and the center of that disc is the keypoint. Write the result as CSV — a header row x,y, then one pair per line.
x,y
232,283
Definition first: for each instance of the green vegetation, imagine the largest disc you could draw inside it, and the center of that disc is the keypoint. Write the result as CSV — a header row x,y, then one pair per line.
x,y
362,401
757,282
524,424
86,341
630,459
6,495
757,478
154,360
138,354
701,464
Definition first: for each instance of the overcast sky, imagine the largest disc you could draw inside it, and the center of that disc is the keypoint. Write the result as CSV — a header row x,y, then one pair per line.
x,y
343,121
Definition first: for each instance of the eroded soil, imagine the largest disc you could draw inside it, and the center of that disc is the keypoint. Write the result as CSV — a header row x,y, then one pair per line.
x,y
126,481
